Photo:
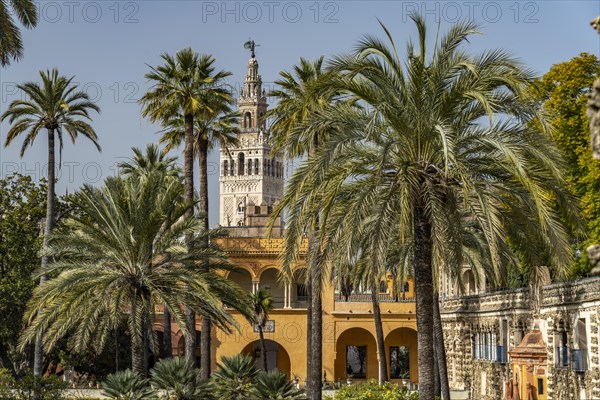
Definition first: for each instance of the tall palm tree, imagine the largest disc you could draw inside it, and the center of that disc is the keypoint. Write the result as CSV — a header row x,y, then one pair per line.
x,y
301,93
437,133
11,44
262,304
58,107
154,161
131,247
184,86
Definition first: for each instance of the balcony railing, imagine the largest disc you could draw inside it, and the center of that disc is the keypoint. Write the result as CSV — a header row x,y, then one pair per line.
x,y
562,357
501,354
366,298
298,302
579,360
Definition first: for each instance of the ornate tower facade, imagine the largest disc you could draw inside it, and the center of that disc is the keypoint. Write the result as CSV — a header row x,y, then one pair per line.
x,y
251,175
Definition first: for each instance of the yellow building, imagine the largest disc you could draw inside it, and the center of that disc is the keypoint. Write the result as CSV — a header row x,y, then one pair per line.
x,y
251,182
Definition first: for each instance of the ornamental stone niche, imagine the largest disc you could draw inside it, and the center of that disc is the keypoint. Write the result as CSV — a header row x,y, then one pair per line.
x,y
529,365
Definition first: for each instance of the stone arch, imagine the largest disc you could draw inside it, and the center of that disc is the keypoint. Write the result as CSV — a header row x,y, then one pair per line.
x,y
269,279
356,355
277,356
299,294
243,277
404,343
247,119
469,283
179,350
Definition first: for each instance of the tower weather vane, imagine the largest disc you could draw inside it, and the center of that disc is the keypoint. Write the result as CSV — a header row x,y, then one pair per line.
x,y
250,45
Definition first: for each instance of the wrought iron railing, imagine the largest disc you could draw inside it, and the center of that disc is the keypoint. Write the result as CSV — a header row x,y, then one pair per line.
x,y
501,354
562,357
579,360
366,298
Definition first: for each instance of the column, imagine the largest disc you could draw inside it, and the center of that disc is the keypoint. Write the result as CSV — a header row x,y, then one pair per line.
x,y
288,294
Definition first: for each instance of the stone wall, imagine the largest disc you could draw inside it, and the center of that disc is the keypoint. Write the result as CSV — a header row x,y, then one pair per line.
x,y
568,309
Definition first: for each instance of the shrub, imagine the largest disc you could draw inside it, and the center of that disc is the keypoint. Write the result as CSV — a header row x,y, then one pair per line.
x,y
274,385
127,385
233,378
32,387
179,379
373,391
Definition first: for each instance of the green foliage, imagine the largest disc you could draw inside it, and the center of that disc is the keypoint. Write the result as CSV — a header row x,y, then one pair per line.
x,y
233,378
274,385
32,387
124,247
563,92
373,391
179,379
23,207
127,385
10,36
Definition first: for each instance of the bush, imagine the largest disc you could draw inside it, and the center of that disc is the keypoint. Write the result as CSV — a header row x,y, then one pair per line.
x,y
274,385
127,385
373,391
179,379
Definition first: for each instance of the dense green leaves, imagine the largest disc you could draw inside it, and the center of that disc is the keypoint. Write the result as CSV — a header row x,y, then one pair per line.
x,y
11,44
563,93
23,207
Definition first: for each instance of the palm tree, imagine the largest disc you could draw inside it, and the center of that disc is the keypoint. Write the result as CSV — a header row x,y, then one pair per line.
x,y
274,385
154,161
434,136
127,385
11,45
233,378
185,86
262,304
300,94
131,247
217,126
179,379
56,106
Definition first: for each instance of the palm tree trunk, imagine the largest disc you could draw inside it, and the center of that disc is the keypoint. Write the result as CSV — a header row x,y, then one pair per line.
x,y
316,346
188,197
205,338
383,372
316,333
436,373
424,301
440,349
167,343
309,348
136,333
263,347
49,226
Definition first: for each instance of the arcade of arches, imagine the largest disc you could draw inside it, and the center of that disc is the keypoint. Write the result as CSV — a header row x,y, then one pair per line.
x,y
348,325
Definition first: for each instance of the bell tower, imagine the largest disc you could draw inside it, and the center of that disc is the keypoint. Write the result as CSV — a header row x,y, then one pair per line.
x,y
251,175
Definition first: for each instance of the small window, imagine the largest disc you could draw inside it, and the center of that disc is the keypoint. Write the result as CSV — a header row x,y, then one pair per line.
x,y
232,168
241,164
249,166
225,168
383,287
356,361
256,166
540,385
399,362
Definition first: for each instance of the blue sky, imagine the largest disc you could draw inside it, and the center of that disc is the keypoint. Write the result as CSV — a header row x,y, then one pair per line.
x,y
108,44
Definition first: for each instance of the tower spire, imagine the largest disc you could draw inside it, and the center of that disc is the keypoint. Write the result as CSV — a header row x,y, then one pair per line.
x,y
251,180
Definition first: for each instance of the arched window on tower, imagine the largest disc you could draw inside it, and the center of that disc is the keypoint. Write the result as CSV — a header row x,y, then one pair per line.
x,y
247,120
232,168
256,166
241,164
225,168
266,167
273,167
